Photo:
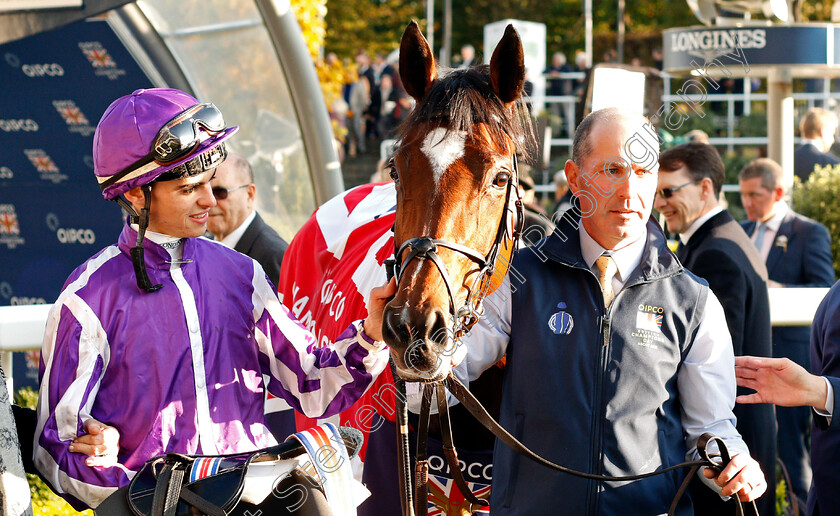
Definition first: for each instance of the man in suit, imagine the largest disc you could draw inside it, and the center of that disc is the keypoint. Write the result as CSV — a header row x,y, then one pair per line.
x,y
787,384
467,56
817,128
797,252
235,223
714,247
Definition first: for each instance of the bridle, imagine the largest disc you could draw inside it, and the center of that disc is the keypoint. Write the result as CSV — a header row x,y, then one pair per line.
x,y
492,268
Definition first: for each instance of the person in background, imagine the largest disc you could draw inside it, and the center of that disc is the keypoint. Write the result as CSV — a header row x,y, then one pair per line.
x,y
360,96
172,339
534,213
697,136
817,128
234,221
787,384
562,195
797,253
467,56
714,247
657,56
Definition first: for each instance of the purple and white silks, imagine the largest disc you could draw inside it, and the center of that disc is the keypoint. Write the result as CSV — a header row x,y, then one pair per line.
x,y
183,369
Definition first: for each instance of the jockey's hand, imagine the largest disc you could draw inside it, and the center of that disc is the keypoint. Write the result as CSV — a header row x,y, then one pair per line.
x,y
742,477
780,381
101,442
379,297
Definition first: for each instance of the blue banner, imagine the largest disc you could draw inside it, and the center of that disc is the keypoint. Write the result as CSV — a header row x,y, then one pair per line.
x,y
55,85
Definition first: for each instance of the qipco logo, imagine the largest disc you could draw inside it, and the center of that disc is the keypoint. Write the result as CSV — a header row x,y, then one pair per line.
x,y
7,293
42,70
69,235
75,236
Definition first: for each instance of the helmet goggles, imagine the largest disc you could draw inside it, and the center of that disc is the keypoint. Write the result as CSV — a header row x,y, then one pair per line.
x,y
181,135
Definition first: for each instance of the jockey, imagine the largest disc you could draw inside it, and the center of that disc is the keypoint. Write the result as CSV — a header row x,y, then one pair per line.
x,y
171,338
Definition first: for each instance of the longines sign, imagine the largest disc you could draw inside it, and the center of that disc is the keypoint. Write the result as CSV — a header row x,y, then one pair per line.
x,y
804,44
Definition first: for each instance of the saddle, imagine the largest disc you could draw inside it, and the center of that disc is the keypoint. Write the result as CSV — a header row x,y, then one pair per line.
x,y
287,479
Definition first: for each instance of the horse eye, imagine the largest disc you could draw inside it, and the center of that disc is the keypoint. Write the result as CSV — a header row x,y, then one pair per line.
x,y
392,171
501,179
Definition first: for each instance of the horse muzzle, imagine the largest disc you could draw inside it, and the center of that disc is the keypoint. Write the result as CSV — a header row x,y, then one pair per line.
x,y
421,342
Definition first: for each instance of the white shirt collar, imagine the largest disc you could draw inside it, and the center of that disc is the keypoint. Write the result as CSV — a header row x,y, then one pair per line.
x,y
815,142
780,210
233,238
684,237
176,253
626,259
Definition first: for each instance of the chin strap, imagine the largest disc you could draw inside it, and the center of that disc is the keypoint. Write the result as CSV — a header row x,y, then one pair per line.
x,y
137,252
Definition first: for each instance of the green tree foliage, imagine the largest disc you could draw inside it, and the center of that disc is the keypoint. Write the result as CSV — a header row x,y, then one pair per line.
x,y
376,25
372,25
817,198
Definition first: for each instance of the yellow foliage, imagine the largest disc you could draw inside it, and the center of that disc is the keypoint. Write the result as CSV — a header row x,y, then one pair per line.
x,y
332,76
310,15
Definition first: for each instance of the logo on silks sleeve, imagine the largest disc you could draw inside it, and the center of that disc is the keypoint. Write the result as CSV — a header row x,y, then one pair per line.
x,y
100,59
76,121
9,227
561,323
45,166
445,499
649,320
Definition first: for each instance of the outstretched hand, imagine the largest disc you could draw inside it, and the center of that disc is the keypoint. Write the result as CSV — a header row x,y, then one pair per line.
x,y
741,477
101,442
379,297
779,381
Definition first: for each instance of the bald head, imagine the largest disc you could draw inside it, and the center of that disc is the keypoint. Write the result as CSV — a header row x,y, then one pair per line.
x,y
645,136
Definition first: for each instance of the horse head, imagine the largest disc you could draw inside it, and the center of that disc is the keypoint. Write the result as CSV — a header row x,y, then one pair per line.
x,y
456,180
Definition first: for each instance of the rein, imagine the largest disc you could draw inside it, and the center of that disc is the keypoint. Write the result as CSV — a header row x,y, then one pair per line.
x,y
420,505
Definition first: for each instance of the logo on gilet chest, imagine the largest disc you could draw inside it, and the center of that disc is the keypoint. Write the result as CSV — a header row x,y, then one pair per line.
x,y
561,323
649,326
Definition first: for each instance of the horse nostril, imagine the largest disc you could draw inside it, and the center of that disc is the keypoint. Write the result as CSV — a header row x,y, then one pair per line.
x,y
393,330
437,329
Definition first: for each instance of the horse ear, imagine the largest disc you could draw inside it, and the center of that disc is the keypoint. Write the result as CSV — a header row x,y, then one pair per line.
x,y
417,64
507,67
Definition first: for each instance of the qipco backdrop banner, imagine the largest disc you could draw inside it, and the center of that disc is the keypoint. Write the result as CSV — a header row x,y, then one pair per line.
x,y
55,87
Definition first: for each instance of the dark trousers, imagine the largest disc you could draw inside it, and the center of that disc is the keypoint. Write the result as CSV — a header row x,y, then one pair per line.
x,y
794,444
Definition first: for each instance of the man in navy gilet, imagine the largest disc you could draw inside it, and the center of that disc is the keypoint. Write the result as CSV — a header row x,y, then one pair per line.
x,y
618,359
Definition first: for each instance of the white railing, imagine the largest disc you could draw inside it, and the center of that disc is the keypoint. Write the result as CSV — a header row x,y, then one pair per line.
x,y
22,327
729,100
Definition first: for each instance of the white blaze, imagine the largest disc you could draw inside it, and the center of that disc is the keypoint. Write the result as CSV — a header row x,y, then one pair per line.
x,y
443,149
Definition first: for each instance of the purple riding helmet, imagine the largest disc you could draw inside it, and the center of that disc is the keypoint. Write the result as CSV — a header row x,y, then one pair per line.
x,y
158,134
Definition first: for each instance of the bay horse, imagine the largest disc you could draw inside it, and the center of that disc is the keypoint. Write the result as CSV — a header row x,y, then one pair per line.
x,y
448,222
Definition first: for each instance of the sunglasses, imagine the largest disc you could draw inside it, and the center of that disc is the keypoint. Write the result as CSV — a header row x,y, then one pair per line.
x,y
181,135
222,193
666,193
